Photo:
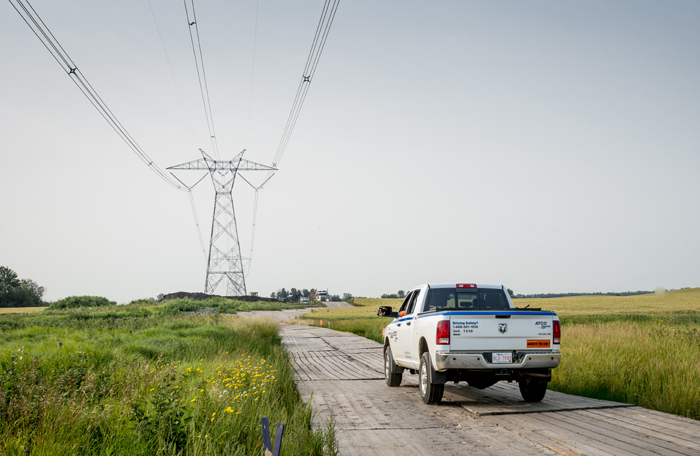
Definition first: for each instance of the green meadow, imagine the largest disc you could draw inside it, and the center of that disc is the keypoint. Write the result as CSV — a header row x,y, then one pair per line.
x,y
147,379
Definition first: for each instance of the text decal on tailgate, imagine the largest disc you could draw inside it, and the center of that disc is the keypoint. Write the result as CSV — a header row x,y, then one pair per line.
x,y
537,343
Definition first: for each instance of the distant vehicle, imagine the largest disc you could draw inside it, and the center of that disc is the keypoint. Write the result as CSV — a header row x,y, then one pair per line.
x,y
304,299
452,332
322,295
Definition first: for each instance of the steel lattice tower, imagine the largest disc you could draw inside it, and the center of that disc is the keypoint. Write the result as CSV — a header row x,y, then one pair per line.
x,y
225,264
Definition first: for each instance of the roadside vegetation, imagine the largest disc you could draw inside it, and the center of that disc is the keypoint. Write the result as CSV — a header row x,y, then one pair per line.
x,y
225,306
145,379
639,349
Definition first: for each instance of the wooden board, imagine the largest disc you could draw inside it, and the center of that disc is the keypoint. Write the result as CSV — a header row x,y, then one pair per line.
x,y
342,375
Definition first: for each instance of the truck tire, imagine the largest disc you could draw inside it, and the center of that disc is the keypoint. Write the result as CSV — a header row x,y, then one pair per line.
x,y
532,390
391,378
431,393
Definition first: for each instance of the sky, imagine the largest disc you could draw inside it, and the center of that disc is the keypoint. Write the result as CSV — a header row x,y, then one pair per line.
x,y
547,146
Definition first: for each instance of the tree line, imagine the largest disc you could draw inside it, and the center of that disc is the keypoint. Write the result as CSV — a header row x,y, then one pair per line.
x,y
295,295
16,292
567,295
402,294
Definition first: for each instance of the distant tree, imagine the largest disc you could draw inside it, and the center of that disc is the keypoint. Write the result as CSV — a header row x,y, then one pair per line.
x,y
347,296
282,294
8,279
401,294
390,296
294,295
273,295
510,292
30,293
567,295
335,298
305,293
18,293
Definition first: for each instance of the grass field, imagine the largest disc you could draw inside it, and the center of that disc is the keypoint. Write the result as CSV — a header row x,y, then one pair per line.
x,y
9,310
144,380
641,349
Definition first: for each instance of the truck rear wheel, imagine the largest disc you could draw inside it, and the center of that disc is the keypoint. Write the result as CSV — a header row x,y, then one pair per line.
x,y
431,393
391,378
532,390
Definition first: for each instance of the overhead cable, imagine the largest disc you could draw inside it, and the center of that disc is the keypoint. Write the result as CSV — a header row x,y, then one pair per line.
x,y
194,211
201,73
319,42
323,28
172,73
37,25
252,237
255,216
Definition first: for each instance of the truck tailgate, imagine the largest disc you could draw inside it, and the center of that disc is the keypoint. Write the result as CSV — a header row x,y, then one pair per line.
x,y
478,331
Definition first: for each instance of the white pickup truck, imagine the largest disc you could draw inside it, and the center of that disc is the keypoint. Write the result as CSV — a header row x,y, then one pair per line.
x,y
469,332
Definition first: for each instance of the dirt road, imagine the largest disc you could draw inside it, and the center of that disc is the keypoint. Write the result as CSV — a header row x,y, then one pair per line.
x,y
342,375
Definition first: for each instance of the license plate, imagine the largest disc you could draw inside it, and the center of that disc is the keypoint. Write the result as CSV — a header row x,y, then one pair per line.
x,y
500,358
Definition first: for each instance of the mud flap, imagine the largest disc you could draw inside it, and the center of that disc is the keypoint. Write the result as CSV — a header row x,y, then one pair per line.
x,y
396,369
436,377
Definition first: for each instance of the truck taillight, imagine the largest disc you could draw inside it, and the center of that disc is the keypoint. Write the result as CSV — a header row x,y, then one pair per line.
x,y
443,333
557,333
466,285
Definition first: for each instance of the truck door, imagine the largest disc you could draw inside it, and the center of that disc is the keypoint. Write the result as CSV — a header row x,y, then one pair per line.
x,y
404,329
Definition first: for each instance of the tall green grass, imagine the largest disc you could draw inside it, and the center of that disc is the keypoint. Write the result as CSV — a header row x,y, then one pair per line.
x,y
641,350
225,306
652,363
134,380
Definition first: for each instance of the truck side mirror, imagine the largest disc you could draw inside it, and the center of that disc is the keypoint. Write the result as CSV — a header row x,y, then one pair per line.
x,y
385,311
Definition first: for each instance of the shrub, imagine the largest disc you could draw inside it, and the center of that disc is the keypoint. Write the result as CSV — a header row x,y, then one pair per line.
x,y
74,302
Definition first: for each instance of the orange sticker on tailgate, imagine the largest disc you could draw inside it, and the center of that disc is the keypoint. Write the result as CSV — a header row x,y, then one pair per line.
x,y
538,343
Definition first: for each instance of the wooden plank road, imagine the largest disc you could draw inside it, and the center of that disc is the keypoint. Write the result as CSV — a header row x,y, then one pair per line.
x,y
343,377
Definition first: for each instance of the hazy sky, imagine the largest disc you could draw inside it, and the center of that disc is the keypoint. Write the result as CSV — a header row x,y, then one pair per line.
x,y
549,146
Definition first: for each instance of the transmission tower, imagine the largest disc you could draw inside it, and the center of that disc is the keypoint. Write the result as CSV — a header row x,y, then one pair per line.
x,y
225,264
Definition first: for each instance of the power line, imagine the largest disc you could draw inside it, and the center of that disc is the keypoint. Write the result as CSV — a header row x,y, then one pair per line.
x,y
323,28
255,215
319,42
194,211
184,110
37,25
172,73
201,74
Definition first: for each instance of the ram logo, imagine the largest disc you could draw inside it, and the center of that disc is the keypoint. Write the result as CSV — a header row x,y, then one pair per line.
x,y
503,327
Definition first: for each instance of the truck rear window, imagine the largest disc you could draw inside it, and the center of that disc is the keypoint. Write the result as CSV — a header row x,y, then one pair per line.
x,y
453,299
